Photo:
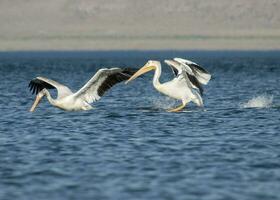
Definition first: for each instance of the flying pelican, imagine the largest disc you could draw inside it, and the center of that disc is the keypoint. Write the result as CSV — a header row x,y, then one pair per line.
x,y
186,86
92,91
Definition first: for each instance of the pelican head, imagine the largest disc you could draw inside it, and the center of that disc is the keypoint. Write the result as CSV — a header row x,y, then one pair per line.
x,y
39,96
150,65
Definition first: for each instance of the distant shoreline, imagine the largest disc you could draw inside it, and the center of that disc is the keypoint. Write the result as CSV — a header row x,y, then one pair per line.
x,y
139,43
136,25
155,54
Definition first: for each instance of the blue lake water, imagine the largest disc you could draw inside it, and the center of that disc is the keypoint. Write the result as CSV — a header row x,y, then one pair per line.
x,y
128,147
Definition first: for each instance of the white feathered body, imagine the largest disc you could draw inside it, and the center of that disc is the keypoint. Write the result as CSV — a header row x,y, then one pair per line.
x,y
70,103
178,89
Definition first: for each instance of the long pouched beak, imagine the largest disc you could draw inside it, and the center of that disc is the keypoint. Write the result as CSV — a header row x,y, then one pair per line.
x,y
36,102
141,71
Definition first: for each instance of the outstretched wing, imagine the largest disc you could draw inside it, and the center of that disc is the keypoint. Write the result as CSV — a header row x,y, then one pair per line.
x,y
102,81
39,83
185,72
202,75
178,68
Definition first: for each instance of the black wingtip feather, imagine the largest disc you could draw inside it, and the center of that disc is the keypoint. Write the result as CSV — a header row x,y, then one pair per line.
x,y
174,70
129,71
115,78
36,85
199,68
195,82
30,86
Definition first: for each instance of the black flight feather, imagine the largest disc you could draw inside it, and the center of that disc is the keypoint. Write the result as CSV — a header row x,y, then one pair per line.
x,y
113,79
195,82
174,70
37,85
198,67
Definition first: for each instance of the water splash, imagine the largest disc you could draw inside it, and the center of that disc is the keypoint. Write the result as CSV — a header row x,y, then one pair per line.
x,y
262,101
163,103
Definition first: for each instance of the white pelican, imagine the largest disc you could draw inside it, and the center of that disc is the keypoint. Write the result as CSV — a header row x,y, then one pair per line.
x,y
92,91
186,86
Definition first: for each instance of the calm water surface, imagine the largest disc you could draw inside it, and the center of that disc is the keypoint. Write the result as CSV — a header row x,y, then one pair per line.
x,y
128,147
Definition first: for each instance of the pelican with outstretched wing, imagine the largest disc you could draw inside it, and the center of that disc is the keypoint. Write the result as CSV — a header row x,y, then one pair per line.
x,y
92,91
186,86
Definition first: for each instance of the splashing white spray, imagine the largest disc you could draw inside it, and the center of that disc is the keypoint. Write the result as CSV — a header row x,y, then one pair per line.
x,y
262,101
163,103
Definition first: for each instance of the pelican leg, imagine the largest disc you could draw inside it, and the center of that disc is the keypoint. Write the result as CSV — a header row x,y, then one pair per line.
x,y
178,108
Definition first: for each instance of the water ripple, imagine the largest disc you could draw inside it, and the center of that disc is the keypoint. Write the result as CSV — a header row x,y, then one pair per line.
x,y
129,147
